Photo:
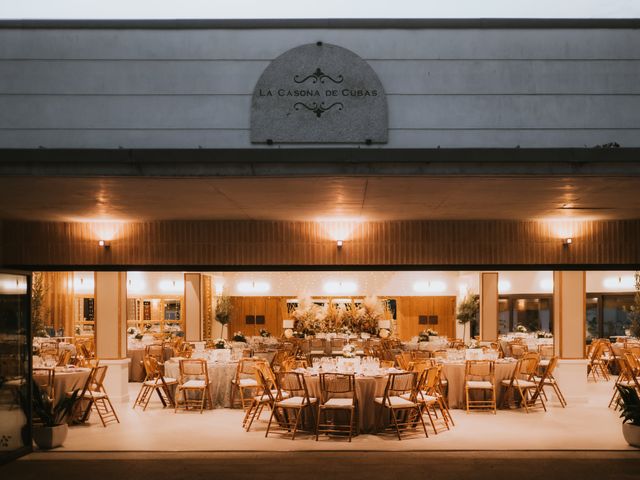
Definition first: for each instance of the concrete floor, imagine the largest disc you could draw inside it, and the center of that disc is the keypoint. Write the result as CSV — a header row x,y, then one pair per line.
x,y
590,426
582,442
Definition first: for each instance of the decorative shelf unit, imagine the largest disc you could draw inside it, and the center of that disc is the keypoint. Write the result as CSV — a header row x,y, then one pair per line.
x,y
84,316
164,314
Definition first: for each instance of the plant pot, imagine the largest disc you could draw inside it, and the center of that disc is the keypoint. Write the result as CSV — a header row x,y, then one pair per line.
x,y
631,434
50,437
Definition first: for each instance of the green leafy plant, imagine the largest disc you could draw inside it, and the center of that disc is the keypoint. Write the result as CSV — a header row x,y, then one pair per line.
x,y
468,312
634,311
223,311
630,405
46,411
38,311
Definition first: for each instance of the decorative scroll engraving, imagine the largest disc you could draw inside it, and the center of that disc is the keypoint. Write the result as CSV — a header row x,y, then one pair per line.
x,y
318,109
318,75
319,93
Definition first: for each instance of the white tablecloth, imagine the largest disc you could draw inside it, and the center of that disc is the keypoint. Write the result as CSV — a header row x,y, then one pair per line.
x,y
220,376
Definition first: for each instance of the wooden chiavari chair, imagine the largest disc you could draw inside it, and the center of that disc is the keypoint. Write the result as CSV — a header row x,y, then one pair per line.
x,y
457,343
317,347
194,378
267,394
291,364
443,354
400,397
64,358
518,350
289,411
155,381
629,376
426,397
338,397
548,380
420,355
479,376
337,344
98,398
245,381
597,366
387,364
522,382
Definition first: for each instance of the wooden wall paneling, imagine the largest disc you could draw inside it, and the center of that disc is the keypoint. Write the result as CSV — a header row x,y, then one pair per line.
x,y
31,245
410,308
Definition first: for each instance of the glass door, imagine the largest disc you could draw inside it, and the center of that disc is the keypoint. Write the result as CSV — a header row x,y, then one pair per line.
x,y
15,365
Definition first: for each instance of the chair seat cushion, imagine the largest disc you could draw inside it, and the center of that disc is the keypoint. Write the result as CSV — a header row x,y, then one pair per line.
x,y
248,382
90,394
194,384
265,398
295,402
396,401
520,383
484,384
316,352
444,381
157,381
547,381
339,403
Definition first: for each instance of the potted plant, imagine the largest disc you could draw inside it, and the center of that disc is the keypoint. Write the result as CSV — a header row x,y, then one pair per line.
x,y
223,311
52,430
468,312
630,405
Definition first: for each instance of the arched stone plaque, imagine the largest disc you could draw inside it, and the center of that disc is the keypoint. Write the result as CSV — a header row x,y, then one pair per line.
x,y
319,93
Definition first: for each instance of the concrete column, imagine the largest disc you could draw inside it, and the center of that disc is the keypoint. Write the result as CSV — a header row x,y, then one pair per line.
x,y
111,325
569,313
192,307
489,306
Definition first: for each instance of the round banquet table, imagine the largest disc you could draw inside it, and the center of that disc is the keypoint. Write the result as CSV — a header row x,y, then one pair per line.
x,y
454,374
367,389
64,381
220,376
136,368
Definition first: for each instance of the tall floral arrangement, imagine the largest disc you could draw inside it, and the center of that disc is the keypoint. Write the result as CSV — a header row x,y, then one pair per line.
x,y
308,316
370,311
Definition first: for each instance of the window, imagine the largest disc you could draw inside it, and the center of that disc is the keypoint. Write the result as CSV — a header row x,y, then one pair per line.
x,y
535,312
607,314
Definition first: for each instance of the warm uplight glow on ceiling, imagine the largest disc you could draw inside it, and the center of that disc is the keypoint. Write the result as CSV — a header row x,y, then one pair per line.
x,y
135,282
546,284
429,286
339,228
339,287
253,287
171,286
567,227
623,282
504,286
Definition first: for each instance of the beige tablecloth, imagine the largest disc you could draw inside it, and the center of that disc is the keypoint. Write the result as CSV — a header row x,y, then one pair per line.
x,y
367,388
64,381
220,376
136,368
454,373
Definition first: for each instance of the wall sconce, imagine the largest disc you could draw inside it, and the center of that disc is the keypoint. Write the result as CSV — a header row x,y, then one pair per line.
x,y
567,241
339,244
104,243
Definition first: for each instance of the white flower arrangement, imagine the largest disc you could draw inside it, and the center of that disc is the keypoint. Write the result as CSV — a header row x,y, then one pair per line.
x,y
521,329
239,337
264,333
220,343
349,351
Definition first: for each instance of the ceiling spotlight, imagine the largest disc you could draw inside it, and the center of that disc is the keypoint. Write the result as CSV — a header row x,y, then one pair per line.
x,y
339,243
567,241
104,243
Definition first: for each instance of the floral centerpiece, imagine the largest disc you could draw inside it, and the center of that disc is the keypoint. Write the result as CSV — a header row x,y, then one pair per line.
x,y
370,312
308,318
521,328
424,335
238,337
264,333
134,333
543,334
349,351
147,327
219,344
